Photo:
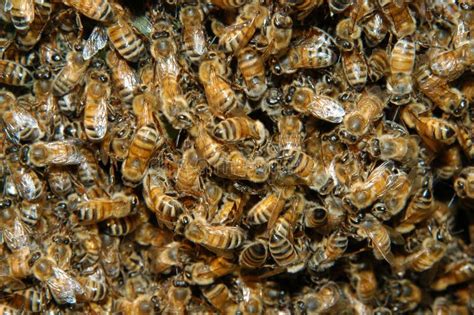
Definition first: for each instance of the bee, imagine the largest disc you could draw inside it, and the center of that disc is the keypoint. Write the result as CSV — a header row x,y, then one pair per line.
x,y
94,285
290,132
398,148
441,305
454,273
123,226
357,123
310,53
109,256
394,199
72,72
27,182
355,68
89,172
123,38
228,4
133,262
29,300
27,40
305,100
448,99
364,281
404,295
347,32
63,287
378,235
166,208
402,61
189,171
402,23
328,251
215,238
221,298
339,6
100,209
323,300
466,139
374,28
12,73
209,149
379,65
450,64
449,163
194,38
177,298
22,126
323,217
30,213
254,254
277,35
145,142
431,252
40,154
305,7
174,105
206,273
464,183
97,93
252,68
240,128
97,10
22,13
124,78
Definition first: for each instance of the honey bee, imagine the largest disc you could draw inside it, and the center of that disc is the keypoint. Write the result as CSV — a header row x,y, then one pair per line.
x,y
328,251
12,73
124,78
398,148
72,72
30,213
290,132
379,65
375,28
404,295
240,128
464,183
278,35
323,300
100,209
27,182
109,256
305,7
364,281
454,273
194,38
305,100
95,111
357,123
272,102
355,68
89,172
310,53
133,262
145,142
228,4
449,163
466,140
95,286
431,252
42,154
221,298
442,305
22,13
402,61
26,41
402,22
29,300
323,217
166,208
347,32
22,126
418,209
188,174
63,287
205,273
252,68
123,38
178,297
450,64
100,11
254,254
215,238
394,199
123,226
448,99
269,208
209,149
86,247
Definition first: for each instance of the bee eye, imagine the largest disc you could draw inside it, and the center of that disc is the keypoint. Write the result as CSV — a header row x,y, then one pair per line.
x,y
103,78
56,57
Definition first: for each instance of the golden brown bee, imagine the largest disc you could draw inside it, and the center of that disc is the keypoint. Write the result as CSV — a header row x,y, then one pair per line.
x,y
375,28
167,208
205,273
278,35
209,149
240,128
402,61
448,99
450,64
254,254
63,287
22,13
431,252
164,259
72,72
94,9
177,299
304,8
146,140
26,41
402,22
22,126
188,175
97,93
12,73
404,295
299,164
323,300
290,132
464,183
221,298
30,300
395,198
364,281
398,148
124,78
30,213
305,100
27,182
194,38
215,238
252,68
123,38
228,4
331,248
123,226
449,163
379,64
347,32
357,123
133,263
466,140
454,273
355,68
97,210
42,154
95,286
418,209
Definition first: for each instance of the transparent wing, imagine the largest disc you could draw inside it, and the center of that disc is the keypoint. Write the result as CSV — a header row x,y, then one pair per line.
x,y
327,108
7,5
63,287
97,40
17,236
143,25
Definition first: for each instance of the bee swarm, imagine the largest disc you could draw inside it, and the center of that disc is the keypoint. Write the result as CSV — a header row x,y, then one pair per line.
x,y
237,157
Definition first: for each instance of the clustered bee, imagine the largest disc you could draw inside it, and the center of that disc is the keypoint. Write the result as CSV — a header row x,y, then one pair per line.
x,y
236,157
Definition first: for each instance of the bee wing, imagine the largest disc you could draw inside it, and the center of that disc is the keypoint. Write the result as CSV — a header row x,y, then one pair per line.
x,y
375,241
143,25
327,108
97,40
17,237
7,6
63,287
